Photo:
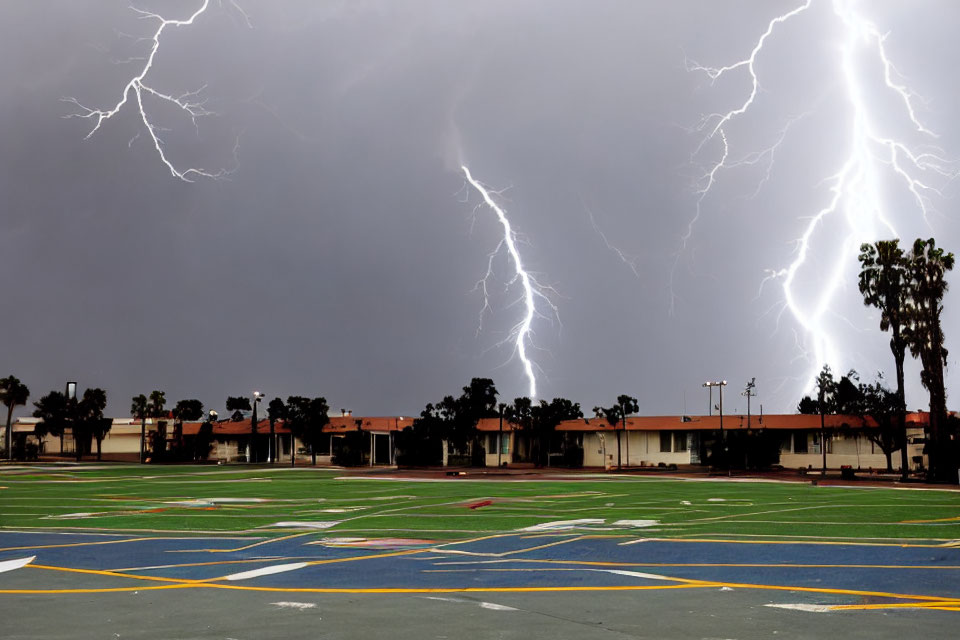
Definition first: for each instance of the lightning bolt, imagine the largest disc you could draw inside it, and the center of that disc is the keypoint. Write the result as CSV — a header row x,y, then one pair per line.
x,y
532,291
856,199
192,104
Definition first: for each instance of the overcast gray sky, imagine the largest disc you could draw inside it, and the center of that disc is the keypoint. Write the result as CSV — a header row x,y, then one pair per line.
x,y
341,256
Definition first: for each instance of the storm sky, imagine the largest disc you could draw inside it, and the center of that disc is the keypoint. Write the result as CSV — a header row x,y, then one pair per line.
x,y
340,258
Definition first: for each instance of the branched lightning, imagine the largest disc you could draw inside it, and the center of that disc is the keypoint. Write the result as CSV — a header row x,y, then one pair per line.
x,y
191,103
856,188
532,291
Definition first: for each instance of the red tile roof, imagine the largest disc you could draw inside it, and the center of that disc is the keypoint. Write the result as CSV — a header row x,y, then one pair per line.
x,y
730,422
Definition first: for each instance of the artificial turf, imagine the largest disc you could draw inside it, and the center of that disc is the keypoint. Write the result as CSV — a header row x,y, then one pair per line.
x,y
198,500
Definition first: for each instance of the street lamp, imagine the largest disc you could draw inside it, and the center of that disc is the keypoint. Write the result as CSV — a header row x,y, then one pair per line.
x,y
750,392
257,397
501,406
720,384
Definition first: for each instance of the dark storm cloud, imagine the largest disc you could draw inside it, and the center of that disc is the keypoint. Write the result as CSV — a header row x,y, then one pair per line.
x,y
340,258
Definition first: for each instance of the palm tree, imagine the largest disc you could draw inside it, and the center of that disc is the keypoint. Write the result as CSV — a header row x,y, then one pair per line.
x,y
626,405
885,284
13,393
54,411
928,265
185,410
276,410
140,409
90,421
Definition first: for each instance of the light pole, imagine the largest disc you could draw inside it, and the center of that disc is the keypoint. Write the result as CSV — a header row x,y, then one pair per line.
x,y
709,386
749,392
501,406
723,443
212,419
257,397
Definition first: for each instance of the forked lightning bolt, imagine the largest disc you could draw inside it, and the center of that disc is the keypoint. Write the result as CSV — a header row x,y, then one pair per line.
x,y
856,198
531,290
191,103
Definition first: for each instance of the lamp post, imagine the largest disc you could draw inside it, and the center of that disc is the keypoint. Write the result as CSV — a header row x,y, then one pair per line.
x,y
257,397
501,406
723,443
749,392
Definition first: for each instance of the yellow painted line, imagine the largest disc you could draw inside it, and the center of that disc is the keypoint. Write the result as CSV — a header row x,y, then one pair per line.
x,y
405,552
905,545
114,574
104,590
462,589
739,565
249,546
207,585
206,564
954,519
76,544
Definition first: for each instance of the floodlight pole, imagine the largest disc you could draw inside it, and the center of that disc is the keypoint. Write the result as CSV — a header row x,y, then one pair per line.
x,y
502,406
723,443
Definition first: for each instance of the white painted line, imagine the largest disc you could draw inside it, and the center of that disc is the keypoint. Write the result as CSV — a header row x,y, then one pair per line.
x,y
635,574
265,571
303,525
636,523
560,525
10,565
496,607
812,608
295,605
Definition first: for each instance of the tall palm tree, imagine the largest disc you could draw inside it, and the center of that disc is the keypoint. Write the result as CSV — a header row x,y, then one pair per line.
x,y
885,284
89,420
276,410
54,412
13,393
928,265
139,409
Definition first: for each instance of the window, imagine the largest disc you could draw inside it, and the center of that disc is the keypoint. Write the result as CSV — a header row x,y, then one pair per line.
x,y
800,443
323,445
505,443
666,438
680,441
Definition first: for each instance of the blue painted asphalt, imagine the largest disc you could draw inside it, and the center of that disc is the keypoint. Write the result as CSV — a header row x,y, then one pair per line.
x,y
500,562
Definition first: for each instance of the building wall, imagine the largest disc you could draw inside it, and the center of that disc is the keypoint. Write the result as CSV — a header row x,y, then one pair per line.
x,y
490,441
843,449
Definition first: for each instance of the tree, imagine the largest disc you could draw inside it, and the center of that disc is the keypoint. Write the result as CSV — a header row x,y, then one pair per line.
x,y
306,418
158,400
928,265
13,393
825,389
885,284
55,411
203,441
276,410
237,405
883,406
157,410
139,409
625,406
189,410
544,420
89,421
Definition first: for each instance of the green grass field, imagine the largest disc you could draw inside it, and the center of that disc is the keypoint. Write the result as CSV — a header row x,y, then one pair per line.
x,y
251,501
